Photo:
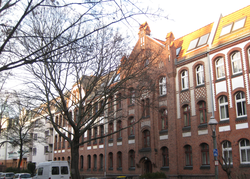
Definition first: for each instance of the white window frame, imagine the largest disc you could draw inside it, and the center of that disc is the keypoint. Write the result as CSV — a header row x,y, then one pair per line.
x,y
220,70
184,79
248,50
236,62
241,22
242,102
162,86
244,148
227,149
200,75
225,106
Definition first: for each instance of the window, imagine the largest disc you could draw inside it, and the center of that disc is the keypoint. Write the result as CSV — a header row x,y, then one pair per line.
x,y
59,142
46,149
162,86
60,120
96,108
146,139
63,143
55,171
69,134
236,63
240,104
95,135
223,105
35,136
89,162
220,70
40,171
101,161
233,26
131,128
205,154
164,119
110,161
198,42
146,63
184,80
55,143
188,155
34,151
145,108
110,104
95,162
244,151
64,170
101,107
81,162
131,158
119,160
227,152
226,29
111,130
199,75
131,96
186,115
119,100
89,135
249,57
101,133
119,127
165,157
202,112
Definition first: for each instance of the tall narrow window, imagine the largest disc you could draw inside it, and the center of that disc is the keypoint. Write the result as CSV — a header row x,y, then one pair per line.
x,y
119,127
111,130
101,105
220,70
227,152
131,159
119,160
186,115
55,143
89,162
244,151
162,86
110,104
59,142
165,157
205,154
63,143
236,62
188,155
81,162
202,111
89,136
146,139
110,161
95,135
131,128
119,100
199,75
101,162
240,104
101,133
95,162
184,80
147,112
164,119
223,104
131,96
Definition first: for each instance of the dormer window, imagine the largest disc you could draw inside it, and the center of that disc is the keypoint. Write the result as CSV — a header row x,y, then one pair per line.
x,y
198,42
142,41
233,26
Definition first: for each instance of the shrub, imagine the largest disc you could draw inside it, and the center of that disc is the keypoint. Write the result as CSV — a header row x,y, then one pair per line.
x,y
153,175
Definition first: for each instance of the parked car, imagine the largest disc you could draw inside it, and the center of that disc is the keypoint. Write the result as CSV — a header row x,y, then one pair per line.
x,y
8,175
22,176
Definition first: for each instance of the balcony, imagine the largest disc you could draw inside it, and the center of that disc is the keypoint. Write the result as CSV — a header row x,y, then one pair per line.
x,y
48,156
50,139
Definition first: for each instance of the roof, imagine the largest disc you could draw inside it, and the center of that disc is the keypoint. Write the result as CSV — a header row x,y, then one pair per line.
x,y
237,23
194,38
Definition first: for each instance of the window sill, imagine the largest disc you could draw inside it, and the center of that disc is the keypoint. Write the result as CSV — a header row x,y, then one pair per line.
x,y
95,143
202,126
164,131
186,128
111,140
238,119
101,142
119,168
162,96
205,167
199,86
119,139
89,144
184,90
95,169
224,122
237,74
131,169
188,168
227,166
145,150
131,137
100,169
89,169
145,117
165,168
244,165
119,109
110,168
221,79
130,105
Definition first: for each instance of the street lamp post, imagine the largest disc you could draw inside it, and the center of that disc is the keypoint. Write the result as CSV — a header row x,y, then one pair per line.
x,y
213,122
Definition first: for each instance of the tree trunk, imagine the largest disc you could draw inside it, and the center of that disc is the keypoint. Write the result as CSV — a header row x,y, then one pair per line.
x,y
20,158
75,174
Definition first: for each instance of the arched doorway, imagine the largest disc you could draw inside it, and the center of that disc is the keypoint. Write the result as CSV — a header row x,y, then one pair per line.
x,y
146,165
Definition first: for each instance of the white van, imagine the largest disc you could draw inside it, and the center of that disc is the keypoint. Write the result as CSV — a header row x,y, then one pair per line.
x,y
52,170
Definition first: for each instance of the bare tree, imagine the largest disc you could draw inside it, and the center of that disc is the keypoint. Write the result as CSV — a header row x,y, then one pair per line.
x,y
18,132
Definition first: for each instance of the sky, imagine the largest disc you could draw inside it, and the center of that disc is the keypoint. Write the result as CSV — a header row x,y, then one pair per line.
x,y
186,16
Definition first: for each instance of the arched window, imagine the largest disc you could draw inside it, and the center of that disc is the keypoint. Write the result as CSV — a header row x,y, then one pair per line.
x,y
244,151
165,157
240,104
199,75
89,162
119,127
220,70
62,158
110,161
81,162
184,79
236,62
131,159
205,154
146,138
188,155
227,152
164,119
131,128
101,161
223,105
119,160
202,112
101,133
95,162
111,130
186,115
162,86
